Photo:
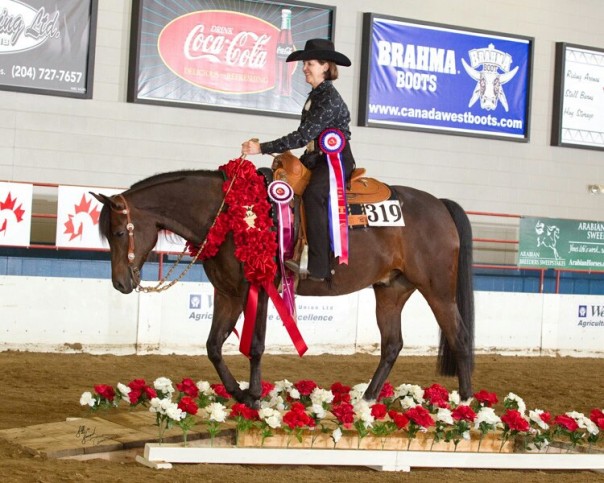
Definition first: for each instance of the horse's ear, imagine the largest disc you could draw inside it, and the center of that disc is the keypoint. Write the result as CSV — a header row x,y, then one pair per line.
x,y
104,199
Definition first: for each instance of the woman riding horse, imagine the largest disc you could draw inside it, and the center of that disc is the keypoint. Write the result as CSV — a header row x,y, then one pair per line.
x,y
323,109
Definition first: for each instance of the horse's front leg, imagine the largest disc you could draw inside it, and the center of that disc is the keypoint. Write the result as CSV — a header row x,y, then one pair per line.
x,y
257,348
227,309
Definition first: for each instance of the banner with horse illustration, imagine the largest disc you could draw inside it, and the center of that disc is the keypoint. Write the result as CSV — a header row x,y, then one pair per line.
x,y
556,243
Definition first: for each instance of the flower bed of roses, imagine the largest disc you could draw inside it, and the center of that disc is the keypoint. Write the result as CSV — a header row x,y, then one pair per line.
x,y
304,414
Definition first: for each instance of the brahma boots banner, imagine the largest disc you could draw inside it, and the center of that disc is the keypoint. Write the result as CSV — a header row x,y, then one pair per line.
x,y
446,79
15,213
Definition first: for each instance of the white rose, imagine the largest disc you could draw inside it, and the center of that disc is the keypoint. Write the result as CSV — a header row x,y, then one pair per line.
x,y
86,399
164,385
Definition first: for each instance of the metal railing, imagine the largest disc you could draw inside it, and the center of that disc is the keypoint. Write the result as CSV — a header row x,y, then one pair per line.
x,y
162,255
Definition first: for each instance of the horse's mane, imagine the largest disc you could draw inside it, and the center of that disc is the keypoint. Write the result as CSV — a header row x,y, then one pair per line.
x,y
156,179
172,176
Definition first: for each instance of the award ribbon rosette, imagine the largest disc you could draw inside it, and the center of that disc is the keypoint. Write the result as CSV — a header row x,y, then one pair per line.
x,y
332,142
281,194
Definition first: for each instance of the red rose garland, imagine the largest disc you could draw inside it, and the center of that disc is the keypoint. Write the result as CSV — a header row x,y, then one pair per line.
x,y
247,216
255,246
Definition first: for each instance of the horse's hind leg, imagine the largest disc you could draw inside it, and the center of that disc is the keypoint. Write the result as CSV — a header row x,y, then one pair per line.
x,y
455,351
389,300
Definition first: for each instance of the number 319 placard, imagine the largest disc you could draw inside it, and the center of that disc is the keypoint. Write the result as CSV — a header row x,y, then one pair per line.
x,y
387,213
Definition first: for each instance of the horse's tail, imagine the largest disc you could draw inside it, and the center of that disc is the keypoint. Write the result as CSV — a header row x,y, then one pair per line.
x,y
465,295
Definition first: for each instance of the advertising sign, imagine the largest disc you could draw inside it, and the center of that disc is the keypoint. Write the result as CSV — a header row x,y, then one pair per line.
x,y
15,213
437,78
554,243
47,47
578,97
223,54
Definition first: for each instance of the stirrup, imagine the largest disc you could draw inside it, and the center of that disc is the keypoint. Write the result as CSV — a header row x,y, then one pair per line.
x,y
294,266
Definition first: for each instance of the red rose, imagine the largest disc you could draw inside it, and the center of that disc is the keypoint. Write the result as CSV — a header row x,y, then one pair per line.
x,y
399,419
296,417
188,387
485,398
379,411
545,417
386,392
105,391
514,420
566,422
139,392
341,393
305,387
437,395
188,405
220,391
149,392
243,411
597,416
267,387
339,388
137,384
420,416
463,413
134,396
344,413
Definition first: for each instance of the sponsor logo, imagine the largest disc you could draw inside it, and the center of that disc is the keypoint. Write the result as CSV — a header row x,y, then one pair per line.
x,y
490,68
22,27
590,315
220,50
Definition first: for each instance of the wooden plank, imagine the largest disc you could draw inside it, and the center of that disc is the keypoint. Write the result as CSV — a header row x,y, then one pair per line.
x,y
97,437
385,460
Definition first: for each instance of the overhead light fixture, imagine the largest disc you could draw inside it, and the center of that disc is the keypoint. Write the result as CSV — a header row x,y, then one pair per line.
x,y
595,189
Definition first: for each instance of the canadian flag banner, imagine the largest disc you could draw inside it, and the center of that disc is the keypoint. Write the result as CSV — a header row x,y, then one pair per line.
x,y
15,213
78,217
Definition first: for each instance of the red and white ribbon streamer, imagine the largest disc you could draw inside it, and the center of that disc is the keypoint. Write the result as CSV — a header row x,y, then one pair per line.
x,y
332,142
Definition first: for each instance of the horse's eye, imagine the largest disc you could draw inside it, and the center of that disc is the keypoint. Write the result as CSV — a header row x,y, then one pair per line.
x,y
119,233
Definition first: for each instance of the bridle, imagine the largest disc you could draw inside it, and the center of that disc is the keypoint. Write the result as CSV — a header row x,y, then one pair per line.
x,y
164,283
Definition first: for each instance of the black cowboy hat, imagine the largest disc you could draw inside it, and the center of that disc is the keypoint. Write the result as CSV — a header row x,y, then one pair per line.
x,y
319,49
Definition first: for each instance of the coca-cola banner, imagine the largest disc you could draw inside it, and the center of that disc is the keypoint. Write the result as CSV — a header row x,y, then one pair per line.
x,y
223,54
47,46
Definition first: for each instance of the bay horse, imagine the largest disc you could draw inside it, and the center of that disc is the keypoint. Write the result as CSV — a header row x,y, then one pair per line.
x,y
432,253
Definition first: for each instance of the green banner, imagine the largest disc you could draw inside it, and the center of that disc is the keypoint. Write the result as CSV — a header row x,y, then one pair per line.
x,y
555,243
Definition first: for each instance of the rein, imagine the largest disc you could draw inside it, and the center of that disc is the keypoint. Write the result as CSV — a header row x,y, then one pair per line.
x,y
164,284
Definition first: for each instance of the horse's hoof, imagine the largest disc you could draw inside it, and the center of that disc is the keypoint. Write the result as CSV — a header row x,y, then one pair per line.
x,y
249,400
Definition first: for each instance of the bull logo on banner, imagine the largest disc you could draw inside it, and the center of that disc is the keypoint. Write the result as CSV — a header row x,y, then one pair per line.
x,y
490,79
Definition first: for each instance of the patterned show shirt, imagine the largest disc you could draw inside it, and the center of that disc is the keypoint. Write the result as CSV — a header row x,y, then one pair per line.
x,y
323,109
